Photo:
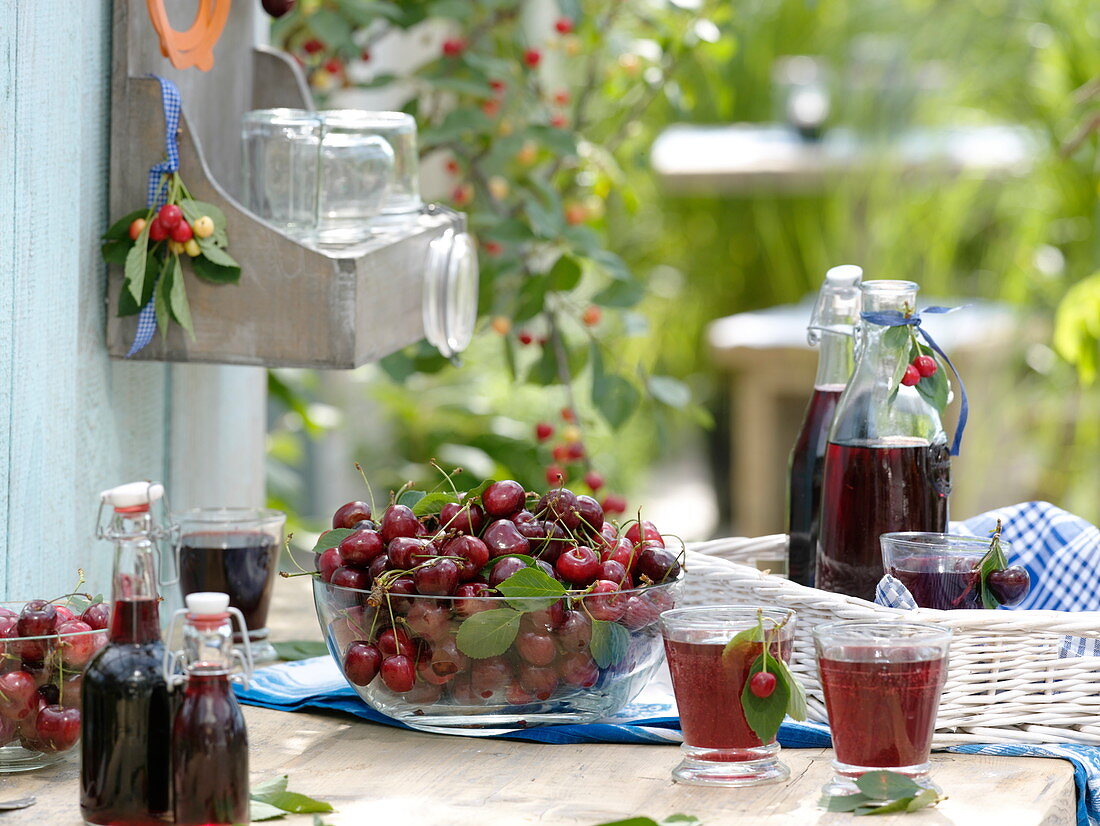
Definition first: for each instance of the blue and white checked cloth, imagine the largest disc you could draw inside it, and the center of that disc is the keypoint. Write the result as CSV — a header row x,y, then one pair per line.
x,y
316,684
155,196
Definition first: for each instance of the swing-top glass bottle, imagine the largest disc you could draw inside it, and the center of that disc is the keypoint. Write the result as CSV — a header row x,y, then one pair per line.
x,y
887,464
124,768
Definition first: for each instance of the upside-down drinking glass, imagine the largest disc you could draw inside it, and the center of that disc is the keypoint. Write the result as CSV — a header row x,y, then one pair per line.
x,y
281,148
882,683
720,749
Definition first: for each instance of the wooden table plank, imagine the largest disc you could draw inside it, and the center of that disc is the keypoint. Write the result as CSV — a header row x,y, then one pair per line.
x,y
370,772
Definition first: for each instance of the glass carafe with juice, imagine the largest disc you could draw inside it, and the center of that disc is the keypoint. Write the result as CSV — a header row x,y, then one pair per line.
x,y
124,767
209,740
887,464
831,327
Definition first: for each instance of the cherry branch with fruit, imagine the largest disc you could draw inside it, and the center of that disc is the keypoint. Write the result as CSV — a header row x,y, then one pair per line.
x,y
519,117
151,245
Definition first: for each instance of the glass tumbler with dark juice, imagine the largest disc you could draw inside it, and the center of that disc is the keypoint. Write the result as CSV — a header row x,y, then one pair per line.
x,y
234,551
882,683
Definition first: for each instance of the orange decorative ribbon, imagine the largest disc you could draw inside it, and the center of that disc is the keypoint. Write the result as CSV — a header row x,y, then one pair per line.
x,y
194,47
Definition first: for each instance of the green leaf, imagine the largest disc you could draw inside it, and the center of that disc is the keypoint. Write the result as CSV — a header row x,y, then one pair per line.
x,y
161,296
126,304
135,264
526,585
292,802
474,494
899,805
934,389
216,254
545,223
115,252
668,390
410,497
843,802
544,371
609,644
923,798
764,714
796,703
886,785
748,636
620,294
615,398
207,270
511,231
120,229
330,539
565,274
275,784
300,649
432,504
559,141
263,811
532,298
680,819
488,633
177,299
330,27
994,560
631,821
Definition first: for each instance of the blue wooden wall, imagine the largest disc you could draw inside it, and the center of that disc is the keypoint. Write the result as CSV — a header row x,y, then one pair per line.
x,y
72,422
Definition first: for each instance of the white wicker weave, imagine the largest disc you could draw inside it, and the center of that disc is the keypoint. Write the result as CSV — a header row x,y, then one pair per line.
x,y
1006,681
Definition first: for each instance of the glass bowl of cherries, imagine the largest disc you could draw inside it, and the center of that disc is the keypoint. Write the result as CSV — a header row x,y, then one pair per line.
x,y
497,608
45,646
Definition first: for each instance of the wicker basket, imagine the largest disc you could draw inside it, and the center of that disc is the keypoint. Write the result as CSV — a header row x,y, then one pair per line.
x,y
1006,681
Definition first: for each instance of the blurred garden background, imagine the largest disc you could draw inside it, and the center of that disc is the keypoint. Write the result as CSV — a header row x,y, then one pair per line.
x,y
600,276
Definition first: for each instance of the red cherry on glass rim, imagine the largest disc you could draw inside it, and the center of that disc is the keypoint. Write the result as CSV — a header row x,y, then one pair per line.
x,y
926,366
347,577
762,684
911,376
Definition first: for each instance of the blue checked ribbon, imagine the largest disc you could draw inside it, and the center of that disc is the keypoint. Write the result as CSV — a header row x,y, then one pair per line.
x,y
893,318
156,195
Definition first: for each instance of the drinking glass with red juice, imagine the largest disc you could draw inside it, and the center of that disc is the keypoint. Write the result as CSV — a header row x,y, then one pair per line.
x,y
720,748
882,683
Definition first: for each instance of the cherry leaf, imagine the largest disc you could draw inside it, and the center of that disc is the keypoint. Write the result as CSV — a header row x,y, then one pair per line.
x,y
432,503
609,642
488,633
887,785
765,714
527,585
330,539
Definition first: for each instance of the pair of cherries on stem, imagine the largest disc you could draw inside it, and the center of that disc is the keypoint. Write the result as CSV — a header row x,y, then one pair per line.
x,y
922,367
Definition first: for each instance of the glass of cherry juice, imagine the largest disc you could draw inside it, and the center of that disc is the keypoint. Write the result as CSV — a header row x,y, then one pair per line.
x,y
720,749
940,570
235,551
882,683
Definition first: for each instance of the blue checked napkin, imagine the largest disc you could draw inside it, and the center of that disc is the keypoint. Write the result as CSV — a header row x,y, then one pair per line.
x,y
316,684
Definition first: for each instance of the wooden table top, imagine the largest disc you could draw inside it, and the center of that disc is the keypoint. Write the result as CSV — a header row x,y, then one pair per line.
x,y
370,772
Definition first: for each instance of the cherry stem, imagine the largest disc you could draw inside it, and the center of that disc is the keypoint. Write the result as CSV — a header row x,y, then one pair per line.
x,y
370,490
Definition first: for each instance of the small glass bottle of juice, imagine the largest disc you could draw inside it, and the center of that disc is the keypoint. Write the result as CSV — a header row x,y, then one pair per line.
x,y
209,740
124,767
887,464
831,327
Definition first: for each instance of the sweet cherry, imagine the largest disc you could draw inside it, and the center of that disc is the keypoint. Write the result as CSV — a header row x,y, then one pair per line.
x,y
204,228
394,641
347,577
579,565
911,376
524,336
503,498
17,693
574,632
313,46
532,58
538,680
590,512
470,599
563,25
181,232
399,520
560,505
490,676
659,564
406,551
361,662
157,230
593,480
614,503
57,728
348,515
362,547
503,537
37,619
169,215
98,616
504,568
334,65
474,554
762,684
578,670
644,531
78,649
604,602
428,620
464,518
136,226
536,648
327,562
398,673
543,431
1010,585
926,366
437,578
454,46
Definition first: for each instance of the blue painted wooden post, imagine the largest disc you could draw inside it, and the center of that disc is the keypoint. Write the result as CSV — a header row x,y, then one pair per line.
x,y
72,422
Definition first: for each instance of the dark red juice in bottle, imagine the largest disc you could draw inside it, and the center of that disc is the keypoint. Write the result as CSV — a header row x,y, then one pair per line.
x,y
209,725
125,748
807,468
869,490
882,714
239,563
